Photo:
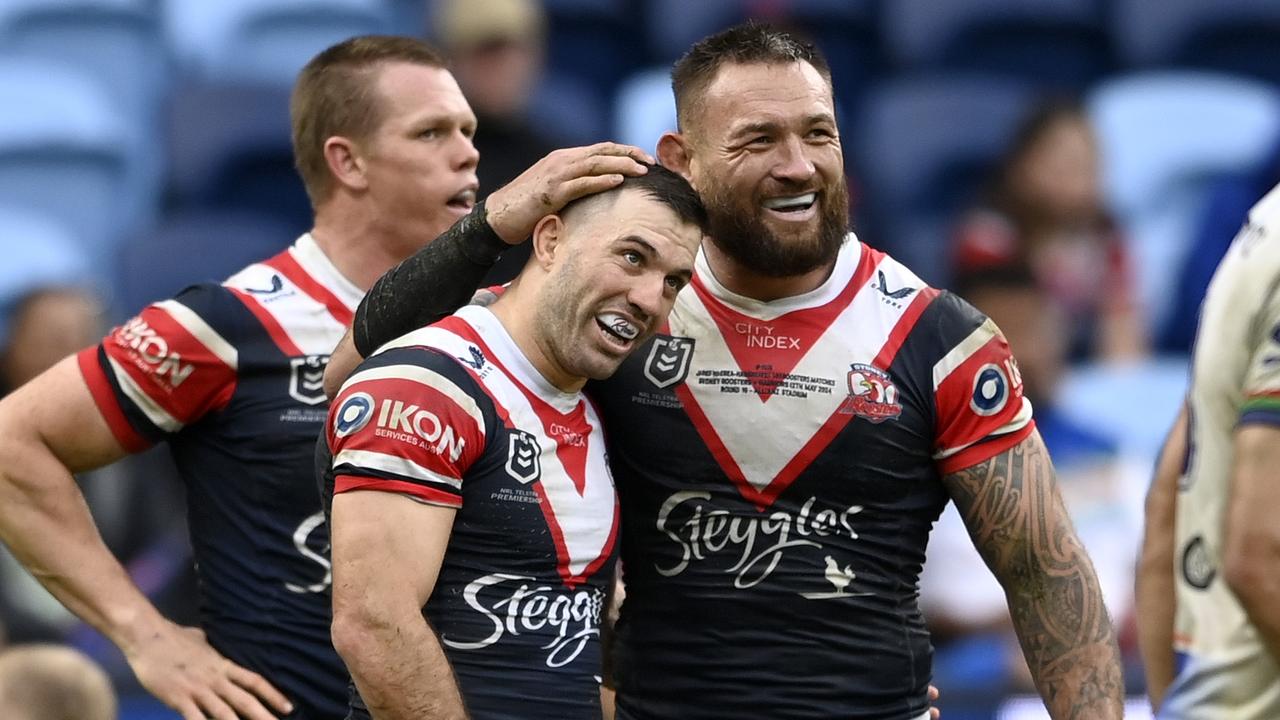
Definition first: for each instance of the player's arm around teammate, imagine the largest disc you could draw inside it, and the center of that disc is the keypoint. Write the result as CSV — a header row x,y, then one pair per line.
x,y
49,429
1251,558
511,213
1016,517
1154,589
394,656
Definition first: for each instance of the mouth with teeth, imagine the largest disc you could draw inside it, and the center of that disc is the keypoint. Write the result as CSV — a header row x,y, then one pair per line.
x,y
618,329
792,207
463,201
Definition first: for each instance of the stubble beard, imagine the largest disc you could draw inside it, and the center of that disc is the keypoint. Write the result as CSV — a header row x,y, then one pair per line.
x,y
738,230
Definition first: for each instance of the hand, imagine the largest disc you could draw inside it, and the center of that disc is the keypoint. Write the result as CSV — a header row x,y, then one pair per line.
x,y
934,713
177,666
555,181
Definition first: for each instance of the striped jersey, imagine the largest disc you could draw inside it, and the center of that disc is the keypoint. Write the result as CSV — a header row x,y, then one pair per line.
x,y
779,468
1223,669
230,376
455,415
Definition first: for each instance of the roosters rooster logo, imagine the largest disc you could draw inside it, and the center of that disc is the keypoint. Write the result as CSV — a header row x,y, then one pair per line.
x,y
872,394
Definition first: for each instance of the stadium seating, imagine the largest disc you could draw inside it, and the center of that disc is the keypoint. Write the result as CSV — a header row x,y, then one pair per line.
x,y
265,40
156,263
63,150
644,108
118,42
1236,36
1056,43
1164,137
596,41
39,252
923,146
230,148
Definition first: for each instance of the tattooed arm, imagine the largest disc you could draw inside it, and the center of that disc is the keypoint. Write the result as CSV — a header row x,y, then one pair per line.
x,y
1019,524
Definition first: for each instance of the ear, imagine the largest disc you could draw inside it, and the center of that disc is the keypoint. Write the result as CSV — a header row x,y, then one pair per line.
x,y
548,237
345,163
673,154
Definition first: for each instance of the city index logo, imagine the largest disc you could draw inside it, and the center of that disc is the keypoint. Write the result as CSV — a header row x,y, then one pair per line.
x,y
414,425
154,350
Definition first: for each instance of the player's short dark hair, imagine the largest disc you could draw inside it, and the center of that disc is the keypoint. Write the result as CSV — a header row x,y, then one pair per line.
x,y
336,95
746,43
663,185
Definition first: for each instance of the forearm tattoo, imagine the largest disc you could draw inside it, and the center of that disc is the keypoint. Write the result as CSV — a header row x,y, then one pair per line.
x,y
1018,522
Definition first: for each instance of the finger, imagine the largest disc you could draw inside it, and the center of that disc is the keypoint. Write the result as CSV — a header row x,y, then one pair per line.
x,y
258,685
246,705
189,711
613,148
574,189
606,165
214,706
933,693
935,713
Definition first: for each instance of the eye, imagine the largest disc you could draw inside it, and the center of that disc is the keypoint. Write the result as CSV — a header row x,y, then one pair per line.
x,y
821,133
429,133
760,140
675,283
632,257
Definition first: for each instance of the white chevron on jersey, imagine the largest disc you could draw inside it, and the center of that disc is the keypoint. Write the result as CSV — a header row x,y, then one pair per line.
x,y
764,439
305,321
965,350
586,519
200,330
158,416
394,464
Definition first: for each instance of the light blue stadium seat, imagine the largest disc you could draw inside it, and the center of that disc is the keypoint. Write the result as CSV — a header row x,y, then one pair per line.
x,y
63,150
265,40
118,42
1133,402
1237,36
230,148
157,262
922,150
1059,43
1164,138
644,108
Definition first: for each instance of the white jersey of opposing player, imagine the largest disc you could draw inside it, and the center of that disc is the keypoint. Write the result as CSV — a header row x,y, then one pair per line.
x,y
1224,670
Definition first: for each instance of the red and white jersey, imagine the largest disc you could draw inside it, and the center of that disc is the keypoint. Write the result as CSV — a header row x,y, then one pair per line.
x,y
456,415
780,466
230,376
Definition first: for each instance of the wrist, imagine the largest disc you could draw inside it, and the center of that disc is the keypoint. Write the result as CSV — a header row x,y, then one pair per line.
x,y
491,212
134,626
486,243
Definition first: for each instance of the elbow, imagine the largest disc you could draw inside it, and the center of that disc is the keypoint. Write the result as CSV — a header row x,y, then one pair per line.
x,y
354,632
1249,567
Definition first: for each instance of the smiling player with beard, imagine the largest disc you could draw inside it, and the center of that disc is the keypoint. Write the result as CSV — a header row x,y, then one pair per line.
x,y
783,446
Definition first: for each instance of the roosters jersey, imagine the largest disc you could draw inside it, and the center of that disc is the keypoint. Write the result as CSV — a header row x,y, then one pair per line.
x,y
1224,669
779,469
230,376
455,415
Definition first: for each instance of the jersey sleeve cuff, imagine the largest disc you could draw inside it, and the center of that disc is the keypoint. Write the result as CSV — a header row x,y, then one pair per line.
x,y
984,450
431,496
104,397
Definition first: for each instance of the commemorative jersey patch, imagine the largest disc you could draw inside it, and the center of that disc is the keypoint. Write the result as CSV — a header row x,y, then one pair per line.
x,y
872,394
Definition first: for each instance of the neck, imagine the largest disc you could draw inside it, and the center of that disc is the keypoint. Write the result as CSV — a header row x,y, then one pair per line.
x,y
356,244
517,311
742,281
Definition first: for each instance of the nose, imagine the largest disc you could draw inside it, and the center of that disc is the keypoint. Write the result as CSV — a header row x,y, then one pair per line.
x,y
648,295
466,157
793,161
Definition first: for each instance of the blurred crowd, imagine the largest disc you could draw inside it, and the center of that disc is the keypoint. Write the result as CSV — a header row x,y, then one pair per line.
x,y
1073,168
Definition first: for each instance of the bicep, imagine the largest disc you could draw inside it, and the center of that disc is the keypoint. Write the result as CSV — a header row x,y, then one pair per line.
x,y
1255,480
387,547
1013,511
55,413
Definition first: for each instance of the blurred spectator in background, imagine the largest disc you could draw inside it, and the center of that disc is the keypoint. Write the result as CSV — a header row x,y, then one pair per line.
x,y
1045,209
496,50
48,682
978,660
